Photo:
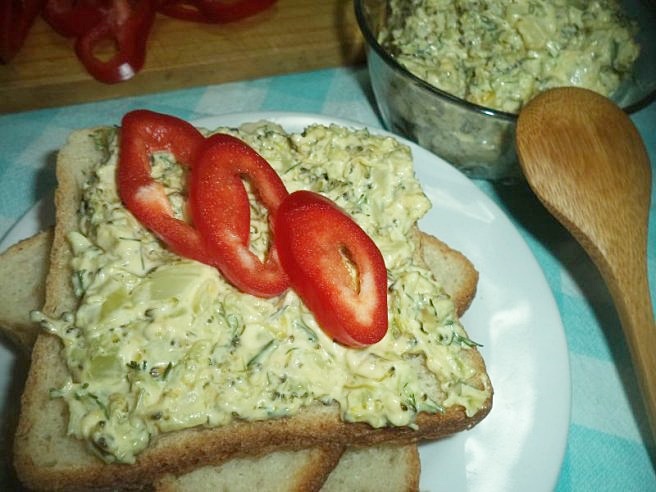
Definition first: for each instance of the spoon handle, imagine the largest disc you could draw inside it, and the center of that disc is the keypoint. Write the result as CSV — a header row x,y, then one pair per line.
x,y
625,273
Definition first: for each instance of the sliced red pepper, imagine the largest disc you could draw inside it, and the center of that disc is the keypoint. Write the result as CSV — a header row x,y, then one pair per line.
x,y
221,212
73,18
16,19
188,10
142,134
126,26
213,11
334,266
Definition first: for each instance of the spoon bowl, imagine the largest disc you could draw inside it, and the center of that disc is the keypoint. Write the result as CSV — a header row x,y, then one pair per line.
x,y
584,159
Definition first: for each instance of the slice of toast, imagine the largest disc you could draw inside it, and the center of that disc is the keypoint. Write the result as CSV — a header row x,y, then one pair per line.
x,y
381,468
371,469
376,469
278,471
23,267
47,458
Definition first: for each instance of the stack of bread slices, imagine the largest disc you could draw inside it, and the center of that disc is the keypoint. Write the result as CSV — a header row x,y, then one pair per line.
x,y
313,450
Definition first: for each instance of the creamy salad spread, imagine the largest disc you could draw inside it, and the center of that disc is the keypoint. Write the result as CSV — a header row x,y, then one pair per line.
x,y
499,54
161,343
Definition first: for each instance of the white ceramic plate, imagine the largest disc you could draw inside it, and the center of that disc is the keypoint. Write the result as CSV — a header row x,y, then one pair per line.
x,y
521,444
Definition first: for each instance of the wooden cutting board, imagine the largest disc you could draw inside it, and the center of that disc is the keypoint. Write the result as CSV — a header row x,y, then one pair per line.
x,y
291,36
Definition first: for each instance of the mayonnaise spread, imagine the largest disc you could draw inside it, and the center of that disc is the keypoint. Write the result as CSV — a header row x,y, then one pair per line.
x,y
161,343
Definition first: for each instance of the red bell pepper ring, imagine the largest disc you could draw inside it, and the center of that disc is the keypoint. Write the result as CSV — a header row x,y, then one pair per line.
x,y
213,11
16,19
126,26
142,134
73,18
221,212
334,266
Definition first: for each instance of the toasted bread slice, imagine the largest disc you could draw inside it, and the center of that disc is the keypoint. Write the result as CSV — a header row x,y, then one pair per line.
x,y
371,469
278,471
452,269
47,458
23,267
376,469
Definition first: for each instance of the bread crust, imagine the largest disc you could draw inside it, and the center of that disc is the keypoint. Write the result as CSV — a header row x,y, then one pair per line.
x,y
456,273
46,458
303,471
380,469
25,266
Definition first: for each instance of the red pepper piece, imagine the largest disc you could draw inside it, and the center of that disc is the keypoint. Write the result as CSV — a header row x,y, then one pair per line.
x,y
221,212
143,133
16,19
126,26
188,10
213,11
334,266
73,18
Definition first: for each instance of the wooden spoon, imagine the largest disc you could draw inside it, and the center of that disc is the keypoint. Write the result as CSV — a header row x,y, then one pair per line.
x,y
586,162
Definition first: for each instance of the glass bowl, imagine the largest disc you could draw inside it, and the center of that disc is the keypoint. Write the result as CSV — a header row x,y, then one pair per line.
x,y
479,141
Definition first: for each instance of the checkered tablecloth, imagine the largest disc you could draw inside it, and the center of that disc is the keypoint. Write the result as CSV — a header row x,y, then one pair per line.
x,y
607,448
